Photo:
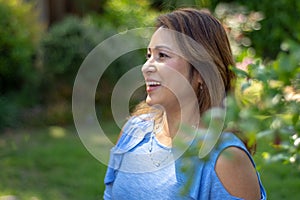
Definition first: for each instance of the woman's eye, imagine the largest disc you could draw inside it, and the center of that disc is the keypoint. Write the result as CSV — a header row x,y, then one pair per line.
x,y
148,55
163,55
159,56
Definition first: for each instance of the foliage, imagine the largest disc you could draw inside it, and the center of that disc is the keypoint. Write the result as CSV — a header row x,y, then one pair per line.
x,y
63,49
280,23
118,17
267,105
84,6
280,180
126,14
163,5
9,113
238,21
66,45
20,32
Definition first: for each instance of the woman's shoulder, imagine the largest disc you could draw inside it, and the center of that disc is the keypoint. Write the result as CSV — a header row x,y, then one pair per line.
x,y
137,126
228,140
234,169
230,159
133,132
236,172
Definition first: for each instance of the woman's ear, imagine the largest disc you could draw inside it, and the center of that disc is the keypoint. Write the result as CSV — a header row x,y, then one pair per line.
x,y
199,78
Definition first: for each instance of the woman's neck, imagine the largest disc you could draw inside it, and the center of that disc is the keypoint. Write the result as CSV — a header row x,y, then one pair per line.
x,y
173,118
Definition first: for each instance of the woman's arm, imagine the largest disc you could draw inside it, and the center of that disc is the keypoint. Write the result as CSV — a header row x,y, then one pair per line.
x,y
237,174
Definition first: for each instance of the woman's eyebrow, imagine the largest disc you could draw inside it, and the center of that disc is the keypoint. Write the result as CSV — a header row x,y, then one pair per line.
x,y
160,47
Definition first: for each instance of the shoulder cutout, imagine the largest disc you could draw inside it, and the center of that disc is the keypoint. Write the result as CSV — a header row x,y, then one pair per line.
x,y
237,174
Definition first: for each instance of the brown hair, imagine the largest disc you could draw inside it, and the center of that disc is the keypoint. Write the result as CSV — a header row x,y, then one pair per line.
x,y
206,30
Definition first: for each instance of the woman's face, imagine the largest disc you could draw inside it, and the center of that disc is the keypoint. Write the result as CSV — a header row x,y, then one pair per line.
x,y
164,70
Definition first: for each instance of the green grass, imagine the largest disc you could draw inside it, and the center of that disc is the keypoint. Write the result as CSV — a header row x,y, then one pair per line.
x,y
281,181
49,163
52,163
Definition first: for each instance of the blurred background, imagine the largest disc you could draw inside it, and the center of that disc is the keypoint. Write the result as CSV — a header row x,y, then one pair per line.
x,y
44,42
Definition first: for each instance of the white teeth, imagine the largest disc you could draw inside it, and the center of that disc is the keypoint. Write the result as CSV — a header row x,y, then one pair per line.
x,y
152,83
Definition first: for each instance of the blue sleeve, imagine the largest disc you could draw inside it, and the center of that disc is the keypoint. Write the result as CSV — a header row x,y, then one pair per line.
x,y
207,184
133,133
107,192
114,160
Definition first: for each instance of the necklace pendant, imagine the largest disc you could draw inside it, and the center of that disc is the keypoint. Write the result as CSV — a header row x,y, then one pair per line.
x,y
157,164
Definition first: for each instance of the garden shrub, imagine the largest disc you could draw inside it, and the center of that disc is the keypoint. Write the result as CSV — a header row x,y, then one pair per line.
x,y
63,49
270,93
126,14
20,32
120,16
67,44
10,114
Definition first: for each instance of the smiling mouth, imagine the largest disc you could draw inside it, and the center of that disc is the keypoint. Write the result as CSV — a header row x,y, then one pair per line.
x,y
151,85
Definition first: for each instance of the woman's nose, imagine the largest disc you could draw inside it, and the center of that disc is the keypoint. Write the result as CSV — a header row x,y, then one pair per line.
x,y
148,67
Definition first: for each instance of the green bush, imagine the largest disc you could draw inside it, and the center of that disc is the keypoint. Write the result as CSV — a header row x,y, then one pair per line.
x,y
20,32
119,16
126,14
19,36
267,105
63,49
280,23
67,44
10,114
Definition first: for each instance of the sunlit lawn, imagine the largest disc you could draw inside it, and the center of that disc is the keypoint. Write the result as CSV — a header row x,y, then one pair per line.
x,y
51,163
280,180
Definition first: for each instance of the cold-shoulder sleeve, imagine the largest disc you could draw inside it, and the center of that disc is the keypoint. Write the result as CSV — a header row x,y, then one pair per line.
x,y
207,184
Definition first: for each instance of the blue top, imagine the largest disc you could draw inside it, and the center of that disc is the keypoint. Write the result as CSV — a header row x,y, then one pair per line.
x,y
140,167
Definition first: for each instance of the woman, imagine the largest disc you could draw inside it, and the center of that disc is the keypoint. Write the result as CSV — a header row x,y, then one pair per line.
x,y
186,73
